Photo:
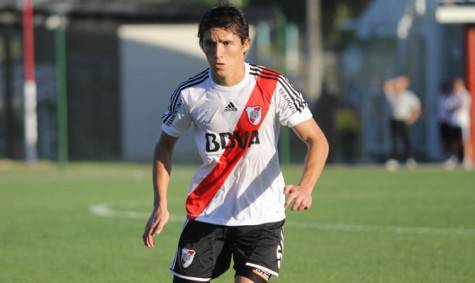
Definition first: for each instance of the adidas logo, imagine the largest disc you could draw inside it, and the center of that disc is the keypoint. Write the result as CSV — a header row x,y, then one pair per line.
x,y
230,107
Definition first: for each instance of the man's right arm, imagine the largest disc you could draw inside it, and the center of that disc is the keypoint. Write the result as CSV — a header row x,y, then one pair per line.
x,y
161,177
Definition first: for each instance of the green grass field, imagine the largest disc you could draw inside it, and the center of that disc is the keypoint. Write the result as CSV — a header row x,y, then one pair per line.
x,y
83,223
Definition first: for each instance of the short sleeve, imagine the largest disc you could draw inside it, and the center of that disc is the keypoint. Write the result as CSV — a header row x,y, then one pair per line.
x,y
291,106
176,120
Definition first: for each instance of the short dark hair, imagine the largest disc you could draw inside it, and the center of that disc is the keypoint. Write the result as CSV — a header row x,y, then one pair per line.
x,y
225,17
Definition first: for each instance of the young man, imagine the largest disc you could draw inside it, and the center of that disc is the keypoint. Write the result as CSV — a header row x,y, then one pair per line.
x,y
405,110
237,198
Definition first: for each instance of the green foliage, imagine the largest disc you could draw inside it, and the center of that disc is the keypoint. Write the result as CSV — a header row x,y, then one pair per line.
x,y
366,225
347,121
348,128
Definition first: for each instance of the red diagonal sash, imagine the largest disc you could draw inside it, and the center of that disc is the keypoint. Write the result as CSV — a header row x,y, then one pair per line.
x,y
202,195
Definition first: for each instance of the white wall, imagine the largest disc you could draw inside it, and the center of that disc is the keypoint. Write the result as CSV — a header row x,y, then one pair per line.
x,y
154,60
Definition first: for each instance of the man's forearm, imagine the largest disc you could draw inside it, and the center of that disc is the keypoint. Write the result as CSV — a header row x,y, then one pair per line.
x,y
161,178
162,170
317,153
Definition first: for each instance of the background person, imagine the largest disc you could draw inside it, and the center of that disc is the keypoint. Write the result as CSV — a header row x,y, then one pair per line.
x,y
443,114
459,104
405,109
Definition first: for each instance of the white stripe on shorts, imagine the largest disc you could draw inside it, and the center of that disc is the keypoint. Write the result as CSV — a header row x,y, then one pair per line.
x,y
263,268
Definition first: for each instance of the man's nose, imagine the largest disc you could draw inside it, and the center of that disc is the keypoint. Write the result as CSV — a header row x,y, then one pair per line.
x,y
218,51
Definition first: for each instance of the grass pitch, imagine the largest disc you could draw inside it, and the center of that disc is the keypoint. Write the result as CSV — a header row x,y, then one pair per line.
x,y
83,223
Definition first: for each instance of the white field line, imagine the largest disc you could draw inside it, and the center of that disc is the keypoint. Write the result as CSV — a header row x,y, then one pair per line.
x,y
383,229
103,209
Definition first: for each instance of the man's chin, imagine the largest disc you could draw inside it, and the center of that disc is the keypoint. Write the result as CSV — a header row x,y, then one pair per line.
x,y
219,73
218,70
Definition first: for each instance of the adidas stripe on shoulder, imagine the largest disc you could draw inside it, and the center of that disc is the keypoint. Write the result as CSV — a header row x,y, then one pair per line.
x,y
175,103
296,97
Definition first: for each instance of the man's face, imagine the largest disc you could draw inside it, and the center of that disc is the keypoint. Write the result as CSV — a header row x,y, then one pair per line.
x,y
459,86
225,53
402,83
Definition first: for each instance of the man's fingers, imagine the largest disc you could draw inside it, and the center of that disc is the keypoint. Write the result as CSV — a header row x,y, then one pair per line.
x,y
146,240
149,240
154,225
290,199
297,198
288,189
148,237
151,226
149,231
298,206
160,225
299,202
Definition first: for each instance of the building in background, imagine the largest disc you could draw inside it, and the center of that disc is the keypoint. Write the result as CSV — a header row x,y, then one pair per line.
x,y
154,59
123,61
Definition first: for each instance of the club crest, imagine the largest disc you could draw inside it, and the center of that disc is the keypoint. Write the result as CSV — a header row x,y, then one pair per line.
x,y
187,256
254,114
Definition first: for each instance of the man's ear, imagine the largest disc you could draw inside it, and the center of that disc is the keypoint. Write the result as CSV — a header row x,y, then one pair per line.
x,y
246,44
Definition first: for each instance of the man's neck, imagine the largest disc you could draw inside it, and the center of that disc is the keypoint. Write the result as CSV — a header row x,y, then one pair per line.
x,y
230,80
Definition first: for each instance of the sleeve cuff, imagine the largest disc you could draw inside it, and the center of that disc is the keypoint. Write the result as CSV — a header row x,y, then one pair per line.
x,y
170,131
299,118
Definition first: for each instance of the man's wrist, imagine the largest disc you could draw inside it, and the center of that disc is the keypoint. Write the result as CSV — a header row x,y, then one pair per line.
x,y
160,206
306,188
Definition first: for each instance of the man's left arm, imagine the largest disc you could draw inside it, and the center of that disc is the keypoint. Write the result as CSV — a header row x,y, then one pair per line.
x,y
299,197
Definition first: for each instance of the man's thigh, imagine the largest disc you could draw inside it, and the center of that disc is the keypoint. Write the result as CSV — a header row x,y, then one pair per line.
x,y
258,250
202,253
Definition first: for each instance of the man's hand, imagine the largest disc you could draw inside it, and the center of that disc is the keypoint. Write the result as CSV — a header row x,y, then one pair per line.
x,y
155,224
297,197
414,116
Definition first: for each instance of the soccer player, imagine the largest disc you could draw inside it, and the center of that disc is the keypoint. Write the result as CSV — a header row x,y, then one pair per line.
x,y
237,198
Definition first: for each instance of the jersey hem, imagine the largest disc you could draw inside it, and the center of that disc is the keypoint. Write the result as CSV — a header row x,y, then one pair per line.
x,y
239,224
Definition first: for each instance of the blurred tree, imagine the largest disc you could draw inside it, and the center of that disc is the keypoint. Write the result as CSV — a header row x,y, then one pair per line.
x,y
193,2
334,13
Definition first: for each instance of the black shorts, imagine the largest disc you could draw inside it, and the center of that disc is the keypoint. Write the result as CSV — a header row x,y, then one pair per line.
x,y
205,250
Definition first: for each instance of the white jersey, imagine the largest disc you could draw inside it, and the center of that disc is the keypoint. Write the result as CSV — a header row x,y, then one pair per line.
x,y
463,113
236,131
403,104
459,114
